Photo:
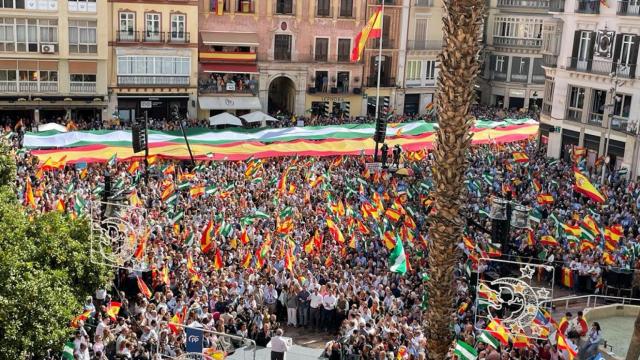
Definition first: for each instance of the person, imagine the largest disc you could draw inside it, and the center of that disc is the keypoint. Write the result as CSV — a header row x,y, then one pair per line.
x,y
594,337
263,337
279,346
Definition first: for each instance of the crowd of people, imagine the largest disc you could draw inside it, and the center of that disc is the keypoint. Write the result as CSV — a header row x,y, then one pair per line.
x,y
247,248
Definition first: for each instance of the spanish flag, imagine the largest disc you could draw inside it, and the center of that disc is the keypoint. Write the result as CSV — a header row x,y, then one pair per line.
x,y
133,167
530,238
246,262
544,199
60,205
217,260
372,30
393,215
564,344
499,331
520,157
244,237
113,309
584,187
389,240
29,199
335,231
144,289
196,191
548,240
206,241
567,278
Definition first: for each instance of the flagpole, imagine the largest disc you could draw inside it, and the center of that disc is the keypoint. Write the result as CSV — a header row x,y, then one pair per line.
x,y
379,71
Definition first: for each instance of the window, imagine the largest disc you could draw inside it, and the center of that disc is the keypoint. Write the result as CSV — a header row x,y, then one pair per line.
x,y
48,31
86,78
430,74
7,35
7,75
414,69
584,45
500,64
346,8
625,49
622,105
127,26
324,8
576,97
420,32
152,26
27,35
284,7
82,37
518,27
282,47
28,76
82,5
51,76
154,65
11,4
177,26
343,82
344,50
245,6
322,49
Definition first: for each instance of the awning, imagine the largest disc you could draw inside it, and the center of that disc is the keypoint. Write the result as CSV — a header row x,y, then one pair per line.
x,y
229,38
230,68
258,117
229,103
224,119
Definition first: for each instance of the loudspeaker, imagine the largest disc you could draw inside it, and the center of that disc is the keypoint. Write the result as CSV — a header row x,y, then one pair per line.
x,y
381,130
139,138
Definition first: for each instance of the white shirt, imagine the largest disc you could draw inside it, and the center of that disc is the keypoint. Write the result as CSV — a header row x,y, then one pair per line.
x,y
280,344
316,300
329,302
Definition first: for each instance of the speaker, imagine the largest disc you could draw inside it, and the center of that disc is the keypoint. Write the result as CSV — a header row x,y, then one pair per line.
x,y
381,130
139,138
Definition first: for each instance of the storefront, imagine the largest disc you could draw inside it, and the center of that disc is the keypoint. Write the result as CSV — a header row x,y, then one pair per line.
x,y
41,110
344,105
129,107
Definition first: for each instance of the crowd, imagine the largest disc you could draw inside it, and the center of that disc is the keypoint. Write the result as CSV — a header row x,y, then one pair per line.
x,y
246,248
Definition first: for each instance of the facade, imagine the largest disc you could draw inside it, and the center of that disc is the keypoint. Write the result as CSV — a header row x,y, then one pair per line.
x,y
592,88
513,76
422,43
153,52
288,56
53,65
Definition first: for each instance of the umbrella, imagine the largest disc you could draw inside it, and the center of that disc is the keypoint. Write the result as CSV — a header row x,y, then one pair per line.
x,y
225,119
257,117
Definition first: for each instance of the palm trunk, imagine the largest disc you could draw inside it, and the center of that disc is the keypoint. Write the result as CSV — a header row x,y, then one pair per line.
x,y
634,345
458,69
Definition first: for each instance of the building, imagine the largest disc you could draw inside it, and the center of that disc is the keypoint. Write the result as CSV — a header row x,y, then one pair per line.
x,y
53,64
513,76
421,44
592,86
153,52
288,56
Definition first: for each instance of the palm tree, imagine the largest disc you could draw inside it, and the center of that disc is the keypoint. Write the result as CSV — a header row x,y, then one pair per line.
x,y
459,66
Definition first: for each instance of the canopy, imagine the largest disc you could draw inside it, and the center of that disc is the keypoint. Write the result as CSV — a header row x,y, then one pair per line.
x,y
225,119
229,103
52,126
257,117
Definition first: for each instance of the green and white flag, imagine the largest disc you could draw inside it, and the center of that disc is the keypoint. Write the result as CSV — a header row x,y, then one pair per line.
x,y
67,351
465,351
488,339
487,178
257,180
555,219
78,205
112,160
398,258
586,233
189,240
225,229
210,190
260,215
70,188
184,185
177,217
98,190
286,212
535,215
483,212
171,199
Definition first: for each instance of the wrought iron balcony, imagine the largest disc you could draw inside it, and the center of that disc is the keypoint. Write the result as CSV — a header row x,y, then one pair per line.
x,y
179,37
574,115
626,7
619,123
595,119
529,4
588,6
550,60
602,67
517,42
127,36
135,80
154,36
82,87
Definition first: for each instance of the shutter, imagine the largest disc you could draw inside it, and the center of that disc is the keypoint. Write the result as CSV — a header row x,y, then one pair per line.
x,y
576,48
617,47
492,61
633,57
592,47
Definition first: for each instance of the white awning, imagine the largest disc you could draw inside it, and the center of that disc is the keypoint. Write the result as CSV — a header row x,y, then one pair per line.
x,y
229,38
225,119
52,126
257,117
229,103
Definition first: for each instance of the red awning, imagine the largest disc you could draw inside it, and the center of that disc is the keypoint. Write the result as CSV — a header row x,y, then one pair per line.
x,y
230,68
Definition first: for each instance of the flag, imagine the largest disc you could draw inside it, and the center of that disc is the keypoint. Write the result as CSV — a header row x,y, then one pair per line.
x,y
372,30
141,248
113,160
288,259
463,308
218,8
67,351
246,261
465,351
393,215
389,240
133,167
530,238
586,245
520,157
206,241
217,261
564,344
536,185
113,309
335,231
544,199
587,233
584,187
567,277
144,290
169,169
488,339
498,331
197,191
29,199
521,341
548,240
75,322
398,259
165,276
60,205
244,237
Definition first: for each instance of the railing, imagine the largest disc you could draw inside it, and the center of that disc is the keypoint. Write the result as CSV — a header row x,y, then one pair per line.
x,y
35,86
82,87
537,79
425,3
533,4
574,115
384,81
134,80
603,67
127,36
550,60
424,44
517,42
8,86
556,6
154,36
386,43
330,90
628,7
592,300
282,55
211,87
619,123
498,76
588,6
595,119
179,37
207,54
521,78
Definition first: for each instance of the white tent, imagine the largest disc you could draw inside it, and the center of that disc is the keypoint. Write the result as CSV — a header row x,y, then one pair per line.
x,y
52,126
225,119
257,117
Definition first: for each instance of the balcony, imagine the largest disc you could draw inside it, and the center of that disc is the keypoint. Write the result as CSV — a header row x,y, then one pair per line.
x,y
8,86
574,115
379,2
330,90
537,79
39,87
386,43
498,76
550,61
217,56
556,6
628,8
372,81
424,44
134,80
127,36
154,36
517,42
211,86
81,87
424,3
595,119
588,6
619,123
520,78
529,4
179,37
603,67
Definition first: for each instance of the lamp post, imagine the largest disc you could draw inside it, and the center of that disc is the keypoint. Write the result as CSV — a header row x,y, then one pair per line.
x,y
614,91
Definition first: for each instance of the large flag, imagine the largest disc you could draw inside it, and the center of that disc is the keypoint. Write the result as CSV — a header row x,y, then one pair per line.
x,y
584,187
372,30
144,289
398,259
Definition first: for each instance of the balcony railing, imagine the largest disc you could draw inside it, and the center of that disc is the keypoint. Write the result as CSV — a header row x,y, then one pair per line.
x,y
384,81
588,6
424,44
521,78
531,4
517,42
210,86
574,115
628,7
603,67
550,60
619,123
537,79
498,76
134,80
595,119
154,36
179,37
425,3
386,43
81,87
379,2
127,36
329,90
556,6
8,86
34,86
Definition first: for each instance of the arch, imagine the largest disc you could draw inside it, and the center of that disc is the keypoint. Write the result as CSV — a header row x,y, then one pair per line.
x,y
282,94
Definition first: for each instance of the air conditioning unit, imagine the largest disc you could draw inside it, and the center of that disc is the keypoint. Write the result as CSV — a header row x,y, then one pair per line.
x,y
47,49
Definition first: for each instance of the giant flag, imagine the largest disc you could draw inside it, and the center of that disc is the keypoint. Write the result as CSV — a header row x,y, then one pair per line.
x,y
372,30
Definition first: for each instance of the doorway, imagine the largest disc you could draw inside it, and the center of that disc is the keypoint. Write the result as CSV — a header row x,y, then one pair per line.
x,y
282,93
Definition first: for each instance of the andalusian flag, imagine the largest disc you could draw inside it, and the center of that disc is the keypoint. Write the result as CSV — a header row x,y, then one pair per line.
x,y
488,339
465,351
372,30
584,187
113,160
67,351
398,259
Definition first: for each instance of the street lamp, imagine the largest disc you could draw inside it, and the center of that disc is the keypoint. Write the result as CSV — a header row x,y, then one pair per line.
x,y
614,97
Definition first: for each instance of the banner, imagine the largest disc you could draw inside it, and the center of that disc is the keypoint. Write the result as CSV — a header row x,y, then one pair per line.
x,y
194,340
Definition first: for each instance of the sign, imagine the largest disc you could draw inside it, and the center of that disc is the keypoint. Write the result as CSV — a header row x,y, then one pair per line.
x,y
231,86
333,98
373,166
146,104
194,340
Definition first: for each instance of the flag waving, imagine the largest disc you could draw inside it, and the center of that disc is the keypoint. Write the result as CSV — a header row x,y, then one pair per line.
x,y
372,30
584,187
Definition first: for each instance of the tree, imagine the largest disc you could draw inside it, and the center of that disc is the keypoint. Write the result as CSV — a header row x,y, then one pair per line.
x,y
45,272
459,66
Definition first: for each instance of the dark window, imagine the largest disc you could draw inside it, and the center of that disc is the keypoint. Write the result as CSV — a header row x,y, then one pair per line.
x,y
344,49
322,49
346,8
284,6
324,7
245,6
282,48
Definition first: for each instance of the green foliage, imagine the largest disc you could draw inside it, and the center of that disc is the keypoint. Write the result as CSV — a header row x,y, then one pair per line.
x,y
7,167
46,274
